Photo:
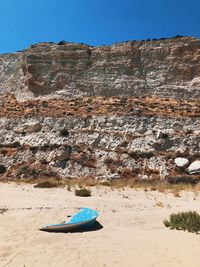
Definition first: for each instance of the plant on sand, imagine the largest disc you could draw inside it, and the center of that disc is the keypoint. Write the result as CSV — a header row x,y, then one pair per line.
x,y
3,210
186,221
48,184
2,169
83,192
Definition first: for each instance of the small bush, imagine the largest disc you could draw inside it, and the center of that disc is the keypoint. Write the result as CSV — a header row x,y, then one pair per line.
x,y
26,171
2,169
83,192
183,179
64,132
15,144
61,43
186,221
141,154
177,36
48,184
3,210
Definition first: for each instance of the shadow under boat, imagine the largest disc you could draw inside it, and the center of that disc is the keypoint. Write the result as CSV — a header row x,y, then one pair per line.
x,y
95,227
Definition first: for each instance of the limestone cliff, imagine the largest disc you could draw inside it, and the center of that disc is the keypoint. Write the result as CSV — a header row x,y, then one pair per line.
x,y
169,67
121,111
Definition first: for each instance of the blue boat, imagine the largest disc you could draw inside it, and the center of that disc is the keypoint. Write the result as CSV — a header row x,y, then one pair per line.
x,y
84,218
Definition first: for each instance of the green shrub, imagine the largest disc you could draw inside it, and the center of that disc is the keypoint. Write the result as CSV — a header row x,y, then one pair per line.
x,y
83,192
186,221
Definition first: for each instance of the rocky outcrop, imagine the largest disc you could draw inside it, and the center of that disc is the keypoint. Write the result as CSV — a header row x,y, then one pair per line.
x,y
102,138
166,68
128,111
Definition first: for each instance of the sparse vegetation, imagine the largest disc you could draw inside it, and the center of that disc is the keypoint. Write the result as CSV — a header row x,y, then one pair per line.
x,y
26,171
3,210
83,192
2,169
116,183
48,184
184,178
159,204
68,188
152,185
186,221
141,154
164,38
178,36
176,192
86,181
61,43
64,132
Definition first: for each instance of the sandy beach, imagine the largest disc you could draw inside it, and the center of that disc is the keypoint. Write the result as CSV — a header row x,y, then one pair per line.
x,y
132,232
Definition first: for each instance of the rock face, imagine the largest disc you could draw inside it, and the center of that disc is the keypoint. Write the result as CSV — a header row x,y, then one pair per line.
x,y
166,68
194,167
122,111
97,137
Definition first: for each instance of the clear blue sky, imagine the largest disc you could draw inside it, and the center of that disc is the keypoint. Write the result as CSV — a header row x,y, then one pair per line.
x,y
95,22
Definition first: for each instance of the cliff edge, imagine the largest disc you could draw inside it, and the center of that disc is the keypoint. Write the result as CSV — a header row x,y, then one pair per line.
x,y
166,68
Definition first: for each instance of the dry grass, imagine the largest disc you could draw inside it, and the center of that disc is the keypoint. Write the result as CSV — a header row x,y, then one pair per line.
x,y
160,186
86,181
49,184
159,204
176,192
115,184
3,210
197,187
100,105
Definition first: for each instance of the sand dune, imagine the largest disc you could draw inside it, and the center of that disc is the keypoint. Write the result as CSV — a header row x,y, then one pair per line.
x,y
133,233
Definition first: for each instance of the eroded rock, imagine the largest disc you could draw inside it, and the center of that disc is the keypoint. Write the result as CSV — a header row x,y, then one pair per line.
x,y
122,111
166,68
194,167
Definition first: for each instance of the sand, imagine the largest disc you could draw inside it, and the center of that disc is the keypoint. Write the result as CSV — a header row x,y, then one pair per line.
x,y
132,232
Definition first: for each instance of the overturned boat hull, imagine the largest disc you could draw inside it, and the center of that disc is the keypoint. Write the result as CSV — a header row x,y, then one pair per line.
x,y
85,218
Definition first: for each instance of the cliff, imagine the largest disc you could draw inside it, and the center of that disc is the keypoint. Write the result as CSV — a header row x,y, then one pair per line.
x,y
121,111
166,68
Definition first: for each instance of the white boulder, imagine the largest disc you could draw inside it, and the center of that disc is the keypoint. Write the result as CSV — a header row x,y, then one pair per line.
x,y
181,162
194,167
